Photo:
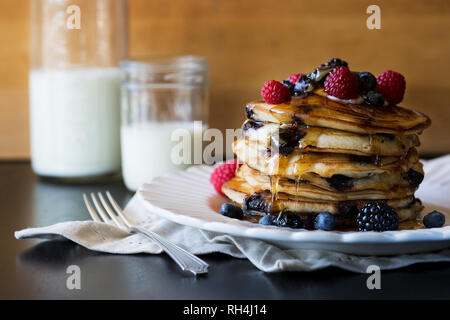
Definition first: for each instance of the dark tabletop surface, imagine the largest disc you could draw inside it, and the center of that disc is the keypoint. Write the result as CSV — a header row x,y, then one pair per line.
x,y
31,269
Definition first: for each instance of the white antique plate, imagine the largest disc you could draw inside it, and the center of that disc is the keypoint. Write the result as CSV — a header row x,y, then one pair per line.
x,y
187,198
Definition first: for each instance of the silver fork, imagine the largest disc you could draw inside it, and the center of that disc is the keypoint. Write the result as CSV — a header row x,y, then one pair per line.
x,y
186,260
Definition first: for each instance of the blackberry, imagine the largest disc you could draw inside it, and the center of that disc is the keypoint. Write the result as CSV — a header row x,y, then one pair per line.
x,y
434,219
267,220
324,221
377,216
366,81
373,98
290,86
231,210
288,219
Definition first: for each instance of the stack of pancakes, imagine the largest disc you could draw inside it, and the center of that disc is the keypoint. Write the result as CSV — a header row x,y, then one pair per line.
x,y
313,154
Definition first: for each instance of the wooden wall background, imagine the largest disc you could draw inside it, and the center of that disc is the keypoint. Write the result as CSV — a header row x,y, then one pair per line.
x,y
250,41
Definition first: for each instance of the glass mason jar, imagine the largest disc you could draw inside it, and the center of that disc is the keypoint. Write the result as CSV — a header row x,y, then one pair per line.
x,y
165,105
74,86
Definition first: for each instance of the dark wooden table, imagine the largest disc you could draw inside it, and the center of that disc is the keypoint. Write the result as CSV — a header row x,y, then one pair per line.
x,y
32,269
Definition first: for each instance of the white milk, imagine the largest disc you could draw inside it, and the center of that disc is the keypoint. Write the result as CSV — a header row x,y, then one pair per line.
x,y
148,149
75,121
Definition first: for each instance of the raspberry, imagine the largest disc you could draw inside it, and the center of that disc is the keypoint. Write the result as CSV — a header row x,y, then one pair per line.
x,y
275,92
223,173
293,78
341,83
392,85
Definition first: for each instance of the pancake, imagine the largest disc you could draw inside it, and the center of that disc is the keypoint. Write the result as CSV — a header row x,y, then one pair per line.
x,y
305,189
316,153
261,201
380,181
287,137
317,110
324,164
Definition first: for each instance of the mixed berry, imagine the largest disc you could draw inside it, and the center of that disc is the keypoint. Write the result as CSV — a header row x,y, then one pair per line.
x,y
324,221
377,216
339,82
275,92
231,210
288,219
223,173
434,219
391,85
267,220
293,78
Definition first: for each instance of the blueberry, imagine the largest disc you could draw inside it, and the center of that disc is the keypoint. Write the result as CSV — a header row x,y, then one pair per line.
x,y
324,221
414,178
434,219
284,140
288,219
290,86
367,81
304,85
321,72
374,98
257,202
335,62
231,210
340,182
267,220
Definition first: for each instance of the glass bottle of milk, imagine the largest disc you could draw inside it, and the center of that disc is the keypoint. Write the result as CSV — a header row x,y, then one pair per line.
x,y
74,87
165,109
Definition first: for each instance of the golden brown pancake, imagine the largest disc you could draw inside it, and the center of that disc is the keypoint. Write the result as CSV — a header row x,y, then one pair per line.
x,y
253,199
324,164
303,188
317,139
317,110
378,181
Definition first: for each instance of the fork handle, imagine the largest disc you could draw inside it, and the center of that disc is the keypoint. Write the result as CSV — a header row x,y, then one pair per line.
x,y
186,260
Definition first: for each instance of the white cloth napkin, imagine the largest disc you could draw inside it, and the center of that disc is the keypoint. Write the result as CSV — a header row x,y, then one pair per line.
x,y
266,257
